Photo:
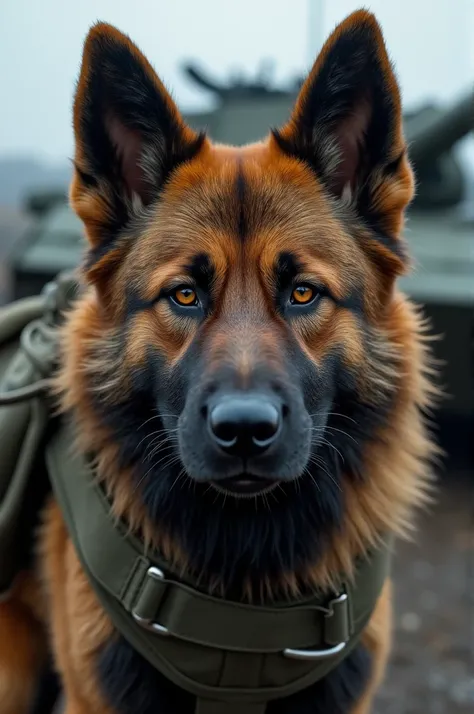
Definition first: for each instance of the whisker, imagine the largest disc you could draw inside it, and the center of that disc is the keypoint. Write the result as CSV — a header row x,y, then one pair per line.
x,y
332,428
180,474
154,435
313,479
321,465
343,416
159,447
170,462
147,421
328,443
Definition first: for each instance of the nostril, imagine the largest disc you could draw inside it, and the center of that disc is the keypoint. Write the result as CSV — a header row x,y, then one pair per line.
x,y
223,426
285,410
264,430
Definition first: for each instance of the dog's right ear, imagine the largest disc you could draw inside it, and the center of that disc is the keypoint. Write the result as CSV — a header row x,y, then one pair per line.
x,y
129,135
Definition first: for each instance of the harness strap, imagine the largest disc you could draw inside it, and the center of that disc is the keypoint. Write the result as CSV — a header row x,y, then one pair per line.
x,y
170,607
219,650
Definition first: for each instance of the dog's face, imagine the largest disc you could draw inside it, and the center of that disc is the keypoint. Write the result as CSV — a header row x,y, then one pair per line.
x,y
239,359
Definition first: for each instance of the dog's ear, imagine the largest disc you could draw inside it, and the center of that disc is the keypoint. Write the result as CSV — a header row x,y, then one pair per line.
x,y
129,134
347,125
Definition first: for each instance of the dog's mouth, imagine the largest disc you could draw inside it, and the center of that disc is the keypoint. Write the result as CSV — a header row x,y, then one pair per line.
x,y
244,485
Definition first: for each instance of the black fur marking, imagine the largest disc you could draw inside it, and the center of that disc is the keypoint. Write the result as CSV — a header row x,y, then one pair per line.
x,y
136,304
236,541
111,241
48,690
202,271
131,685
353,302
87,179
394,245
242,227
392,168
286,270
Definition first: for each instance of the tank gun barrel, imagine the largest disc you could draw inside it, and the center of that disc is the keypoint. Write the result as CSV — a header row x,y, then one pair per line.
x,y
435,136
200,78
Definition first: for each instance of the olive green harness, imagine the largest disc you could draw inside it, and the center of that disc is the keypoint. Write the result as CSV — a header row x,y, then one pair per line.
x,y
233,657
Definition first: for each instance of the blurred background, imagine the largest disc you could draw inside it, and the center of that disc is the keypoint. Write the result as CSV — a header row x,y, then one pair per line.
x,y
235,68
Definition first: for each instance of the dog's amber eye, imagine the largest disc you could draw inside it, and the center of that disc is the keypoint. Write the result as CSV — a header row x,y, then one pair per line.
x,y
302,295
185,296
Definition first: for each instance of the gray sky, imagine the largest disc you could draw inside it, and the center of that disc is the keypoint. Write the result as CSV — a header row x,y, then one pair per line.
x,y
431,42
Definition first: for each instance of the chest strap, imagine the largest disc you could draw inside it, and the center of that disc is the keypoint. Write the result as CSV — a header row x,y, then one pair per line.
x,y
229,655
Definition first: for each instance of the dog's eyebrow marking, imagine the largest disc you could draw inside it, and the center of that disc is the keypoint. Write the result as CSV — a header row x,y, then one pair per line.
x,y
286,269
201,270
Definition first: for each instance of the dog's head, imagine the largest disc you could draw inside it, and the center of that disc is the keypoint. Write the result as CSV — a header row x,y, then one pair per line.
x,y
242,347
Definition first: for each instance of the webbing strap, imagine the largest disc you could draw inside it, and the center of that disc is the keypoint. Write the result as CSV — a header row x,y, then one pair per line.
x,y
180,630
172,607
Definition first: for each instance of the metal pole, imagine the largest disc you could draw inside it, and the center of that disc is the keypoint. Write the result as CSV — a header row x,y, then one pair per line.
x,y
315,29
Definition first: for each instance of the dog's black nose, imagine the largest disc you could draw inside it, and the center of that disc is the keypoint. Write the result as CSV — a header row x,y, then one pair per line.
x,y
244,425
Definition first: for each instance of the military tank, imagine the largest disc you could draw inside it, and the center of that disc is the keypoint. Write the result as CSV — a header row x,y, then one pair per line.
x,y
440,227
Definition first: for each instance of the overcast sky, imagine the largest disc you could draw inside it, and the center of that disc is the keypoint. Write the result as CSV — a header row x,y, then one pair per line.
x,y
431,42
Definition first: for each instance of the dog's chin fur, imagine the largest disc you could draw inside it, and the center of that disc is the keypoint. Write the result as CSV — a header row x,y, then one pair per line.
x,y
303,535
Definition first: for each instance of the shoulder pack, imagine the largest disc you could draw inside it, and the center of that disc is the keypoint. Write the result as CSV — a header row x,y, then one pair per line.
x,y
28,353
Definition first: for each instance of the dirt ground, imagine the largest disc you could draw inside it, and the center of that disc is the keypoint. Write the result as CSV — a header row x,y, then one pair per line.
x,y
432,666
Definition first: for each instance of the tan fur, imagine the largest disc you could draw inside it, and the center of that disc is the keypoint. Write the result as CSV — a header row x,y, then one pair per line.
x,y
22,646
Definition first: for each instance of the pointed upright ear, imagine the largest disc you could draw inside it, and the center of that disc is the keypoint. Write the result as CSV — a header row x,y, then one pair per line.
x,y
347,125
129,134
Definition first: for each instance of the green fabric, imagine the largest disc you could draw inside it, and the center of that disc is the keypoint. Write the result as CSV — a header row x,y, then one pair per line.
x,y
218,650
22,426
28,346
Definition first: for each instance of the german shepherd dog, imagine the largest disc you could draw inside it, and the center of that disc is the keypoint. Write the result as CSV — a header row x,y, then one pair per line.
x,y
241,361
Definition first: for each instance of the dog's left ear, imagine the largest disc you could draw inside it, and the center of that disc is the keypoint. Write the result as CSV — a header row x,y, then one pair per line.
x,y
347,125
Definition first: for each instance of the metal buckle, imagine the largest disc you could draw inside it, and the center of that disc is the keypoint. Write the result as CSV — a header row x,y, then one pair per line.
x,y
147,623
334,606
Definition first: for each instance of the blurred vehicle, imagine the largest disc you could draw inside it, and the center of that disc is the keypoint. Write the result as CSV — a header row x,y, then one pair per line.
x,y
440,234
52,242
